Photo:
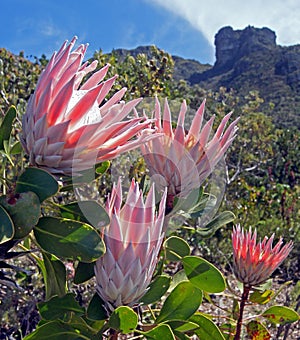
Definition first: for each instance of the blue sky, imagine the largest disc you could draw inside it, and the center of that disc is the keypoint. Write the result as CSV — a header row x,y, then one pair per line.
x,y
180,27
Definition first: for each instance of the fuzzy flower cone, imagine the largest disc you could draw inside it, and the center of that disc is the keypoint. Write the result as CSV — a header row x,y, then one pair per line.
x,y
133,241
253,262
69,126
180,160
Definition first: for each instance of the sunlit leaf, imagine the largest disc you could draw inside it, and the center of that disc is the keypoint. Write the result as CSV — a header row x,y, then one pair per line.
x,y
156,290
176,248
203,274
182,303
160,332
257,331
69,239
261,297
207,328
280,315
123,319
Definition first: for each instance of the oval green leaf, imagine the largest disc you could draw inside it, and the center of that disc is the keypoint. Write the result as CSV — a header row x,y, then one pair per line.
x,y
176,248
6,226
38,181
123,319
280,315
24,210
74,329
182,303
207,328
261,297
58,307
203,274
95,310
54,275
6,125
257,331
84,272
87,212
69,239
160,332
156,289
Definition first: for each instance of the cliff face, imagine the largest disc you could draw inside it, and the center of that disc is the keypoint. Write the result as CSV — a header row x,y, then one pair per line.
x,y
246,60
250,59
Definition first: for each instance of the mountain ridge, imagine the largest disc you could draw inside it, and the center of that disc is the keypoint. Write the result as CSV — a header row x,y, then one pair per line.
x,y
246,60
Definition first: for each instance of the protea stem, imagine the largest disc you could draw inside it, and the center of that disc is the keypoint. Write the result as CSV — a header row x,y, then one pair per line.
x,y
245,295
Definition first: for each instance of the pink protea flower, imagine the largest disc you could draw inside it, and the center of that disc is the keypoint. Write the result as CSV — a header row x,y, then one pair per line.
x,y
133,240
180,160
69,127
253,262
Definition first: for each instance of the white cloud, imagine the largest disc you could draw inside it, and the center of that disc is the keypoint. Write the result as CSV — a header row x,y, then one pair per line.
x,y
283,17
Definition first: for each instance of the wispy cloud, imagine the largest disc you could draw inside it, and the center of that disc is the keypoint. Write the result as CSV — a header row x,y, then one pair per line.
x,y
209,16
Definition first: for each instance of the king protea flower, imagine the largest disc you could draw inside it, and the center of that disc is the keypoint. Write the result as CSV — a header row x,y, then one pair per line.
x,y
133,240
180,160
69,126
254,262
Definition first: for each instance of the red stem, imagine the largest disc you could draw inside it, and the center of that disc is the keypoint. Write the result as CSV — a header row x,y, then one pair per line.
x,y
244,299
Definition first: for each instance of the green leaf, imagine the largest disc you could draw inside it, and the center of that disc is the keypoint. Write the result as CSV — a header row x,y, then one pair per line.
x,y
95,310
54,276
160,332
207,328
183,301
58,307
182,326
176,248
87,212
123,319
84,272
257,331
156,290
261,297
6,125
16,149
38,181
6,226
69,239
219,221
75,329
203,274
280,315
101,168
24,210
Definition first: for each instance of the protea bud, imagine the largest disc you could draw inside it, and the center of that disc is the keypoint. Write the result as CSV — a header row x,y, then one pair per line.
x,y
254,262
133,240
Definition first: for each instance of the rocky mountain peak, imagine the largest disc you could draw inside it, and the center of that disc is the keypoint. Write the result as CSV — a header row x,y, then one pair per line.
x,y
234,44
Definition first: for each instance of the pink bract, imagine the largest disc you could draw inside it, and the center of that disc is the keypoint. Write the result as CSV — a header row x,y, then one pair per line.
x,y
133,241
254,262
69,126
180,160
